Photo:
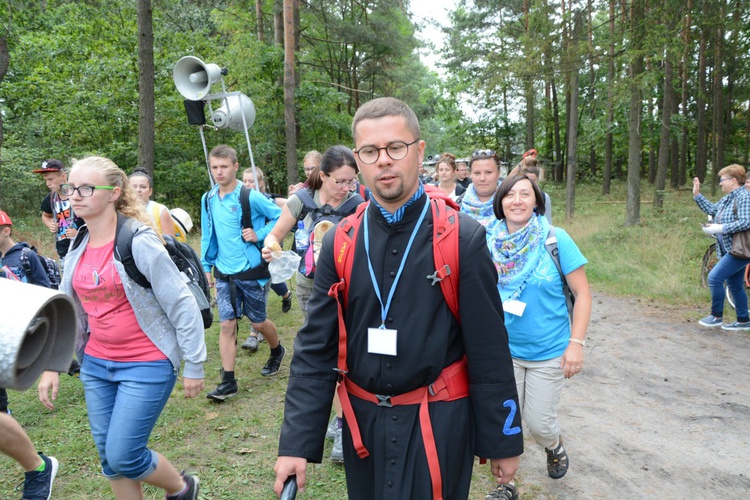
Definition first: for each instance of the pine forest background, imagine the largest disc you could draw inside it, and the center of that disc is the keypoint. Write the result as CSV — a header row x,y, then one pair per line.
x,y
653,91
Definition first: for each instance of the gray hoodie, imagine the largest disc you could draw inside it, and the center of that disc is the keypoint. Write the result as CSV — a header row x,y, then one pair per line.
x,y
167,312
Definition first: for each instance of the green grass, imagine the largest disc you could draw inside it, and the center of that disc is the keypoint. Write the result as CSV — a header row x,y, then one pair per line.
x,y
232,446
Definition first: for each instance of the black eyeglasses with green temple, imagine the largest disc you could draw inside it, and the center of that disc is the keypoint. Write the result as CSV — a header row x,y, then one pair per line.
x,y
83,191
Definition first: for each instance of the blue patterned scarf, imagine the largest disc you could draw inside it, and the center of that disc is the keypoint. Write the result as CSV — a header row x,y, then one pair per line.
x,y
481,211
516,255
391,218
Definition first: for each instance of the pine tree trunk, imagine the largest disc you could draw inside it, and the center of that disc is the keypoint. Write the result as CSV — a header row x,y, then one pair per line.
x,y
259,20
290,126
718,91
664,140
684,98
607,175
701,156
572,146
146,77
633,203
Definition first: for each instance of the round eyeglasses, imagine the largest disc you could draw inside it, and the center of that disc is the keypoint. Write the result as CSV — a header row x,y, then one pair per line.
x,y
83,191
395,150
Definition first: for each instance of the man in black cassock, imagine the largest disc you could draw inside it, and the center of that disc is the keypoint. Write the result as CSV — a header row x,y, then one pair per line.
x,y
401,340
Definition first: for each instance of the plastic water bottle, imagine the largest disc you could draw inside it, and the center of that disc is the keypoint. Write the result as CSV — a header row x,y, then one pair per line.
x,y
302,242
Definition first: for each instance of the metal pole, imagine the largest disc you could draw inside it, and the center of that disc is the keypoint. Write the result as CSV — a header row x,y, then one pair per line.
x,y
205,153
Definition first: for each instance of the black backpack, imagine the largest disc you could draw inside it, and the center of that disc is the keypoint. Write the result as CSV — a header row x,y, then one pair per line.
x,y
182,254
50,266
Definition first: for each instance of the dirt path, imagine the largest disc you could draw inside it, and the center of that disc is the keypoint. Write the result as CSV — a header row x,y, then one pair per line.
x,y
662,411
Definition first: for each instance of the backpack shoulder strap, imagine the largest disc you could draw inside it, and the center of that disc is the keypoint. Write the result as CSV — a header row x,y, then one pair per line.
x,y
207,196
344,240
124,249
78,238
445,235
551,245
362,190
350,205
247,213
25,262
308,203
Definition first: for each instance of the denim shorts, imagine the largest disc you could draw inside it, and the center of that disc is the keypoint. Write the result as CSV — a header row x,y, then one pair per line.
x,y
250,300
124,400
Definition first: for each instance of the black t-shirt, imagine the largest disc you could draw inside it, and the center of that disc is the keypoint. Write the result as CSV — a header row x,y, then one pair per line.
x,y
62,212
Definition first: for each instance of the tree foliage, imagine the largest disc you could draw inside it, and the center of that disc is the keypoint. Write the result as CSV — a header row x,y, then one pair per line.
x,y
71,88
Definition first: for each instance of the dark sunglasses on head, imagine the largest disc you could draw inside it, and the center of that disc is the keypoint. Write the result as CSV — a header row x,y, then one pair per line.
x,y
483,153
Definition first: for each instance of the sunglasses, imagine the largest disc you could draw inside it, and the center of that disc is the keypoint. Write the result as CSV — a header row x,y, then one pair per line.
x,y
483,153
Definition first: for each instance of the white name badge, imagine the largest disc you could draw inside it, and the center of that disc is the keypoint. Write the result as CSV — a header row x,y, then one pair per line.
x,y
514,307
381,341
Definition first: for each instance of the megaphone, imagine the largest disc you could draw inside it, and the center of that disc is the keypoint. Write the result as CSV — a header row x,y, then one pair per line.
x,y
193,78
38,335
229,115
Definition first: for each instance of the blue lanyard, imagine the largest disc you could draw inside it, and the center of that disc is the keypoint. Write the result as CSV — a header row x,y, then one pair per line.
x,y
384,308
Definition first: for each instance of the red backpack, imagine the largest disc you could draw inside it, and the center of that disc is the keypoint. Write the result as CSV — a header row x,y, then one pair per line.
x,y
444,246
453,382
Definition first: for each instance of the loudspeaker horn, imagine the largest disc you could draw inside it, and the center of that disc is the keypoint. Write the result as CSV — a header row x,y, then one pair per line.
x,y
193,78
230,113
40,333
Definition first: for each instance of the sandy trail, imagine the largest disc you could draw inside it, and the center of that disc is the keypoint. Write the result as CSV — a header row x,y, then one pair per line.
x,y
662,410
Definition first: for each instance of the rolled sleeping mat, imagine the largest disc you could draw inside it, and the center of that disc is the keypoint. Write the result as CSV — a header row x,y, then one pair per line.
x,y
37,333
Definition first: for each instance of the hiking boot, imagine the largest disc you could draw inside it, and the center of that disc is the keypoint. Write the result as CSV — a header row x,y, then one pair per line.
x,y
226,389
337,452
557,461
191,493
736,325
251,344
261,338
710,321
503,492
37,485
286,303
333,426
273,364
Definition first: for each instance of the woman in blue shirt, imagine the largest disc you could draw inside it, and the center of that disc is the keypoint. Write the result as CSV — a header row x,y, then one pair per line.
x,y
545,342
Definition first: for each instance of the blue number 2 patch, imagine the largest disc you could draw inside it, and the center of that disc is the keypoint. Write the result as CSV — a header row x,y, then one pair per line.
x,y
507,429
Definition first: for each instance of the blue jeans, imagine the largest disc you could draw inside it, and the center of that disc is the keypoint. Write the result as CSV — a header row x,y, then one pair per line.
x,y
732,270
124,400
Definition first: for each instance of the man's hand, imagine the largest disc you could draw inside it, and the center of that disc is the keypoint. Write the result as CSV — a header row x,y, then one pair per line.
x,y
504,469
50,223
249,235
210,279
288,466
48,387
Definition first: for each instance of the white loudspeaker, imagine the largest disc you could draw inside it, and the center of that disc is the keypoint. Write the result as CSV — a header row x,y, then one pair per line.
x,y
193,78
230,113
38,332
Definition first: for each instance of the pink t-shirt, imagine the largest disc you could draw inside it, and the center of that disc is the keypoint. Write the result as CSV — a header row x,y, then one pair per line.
x,y
115,332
